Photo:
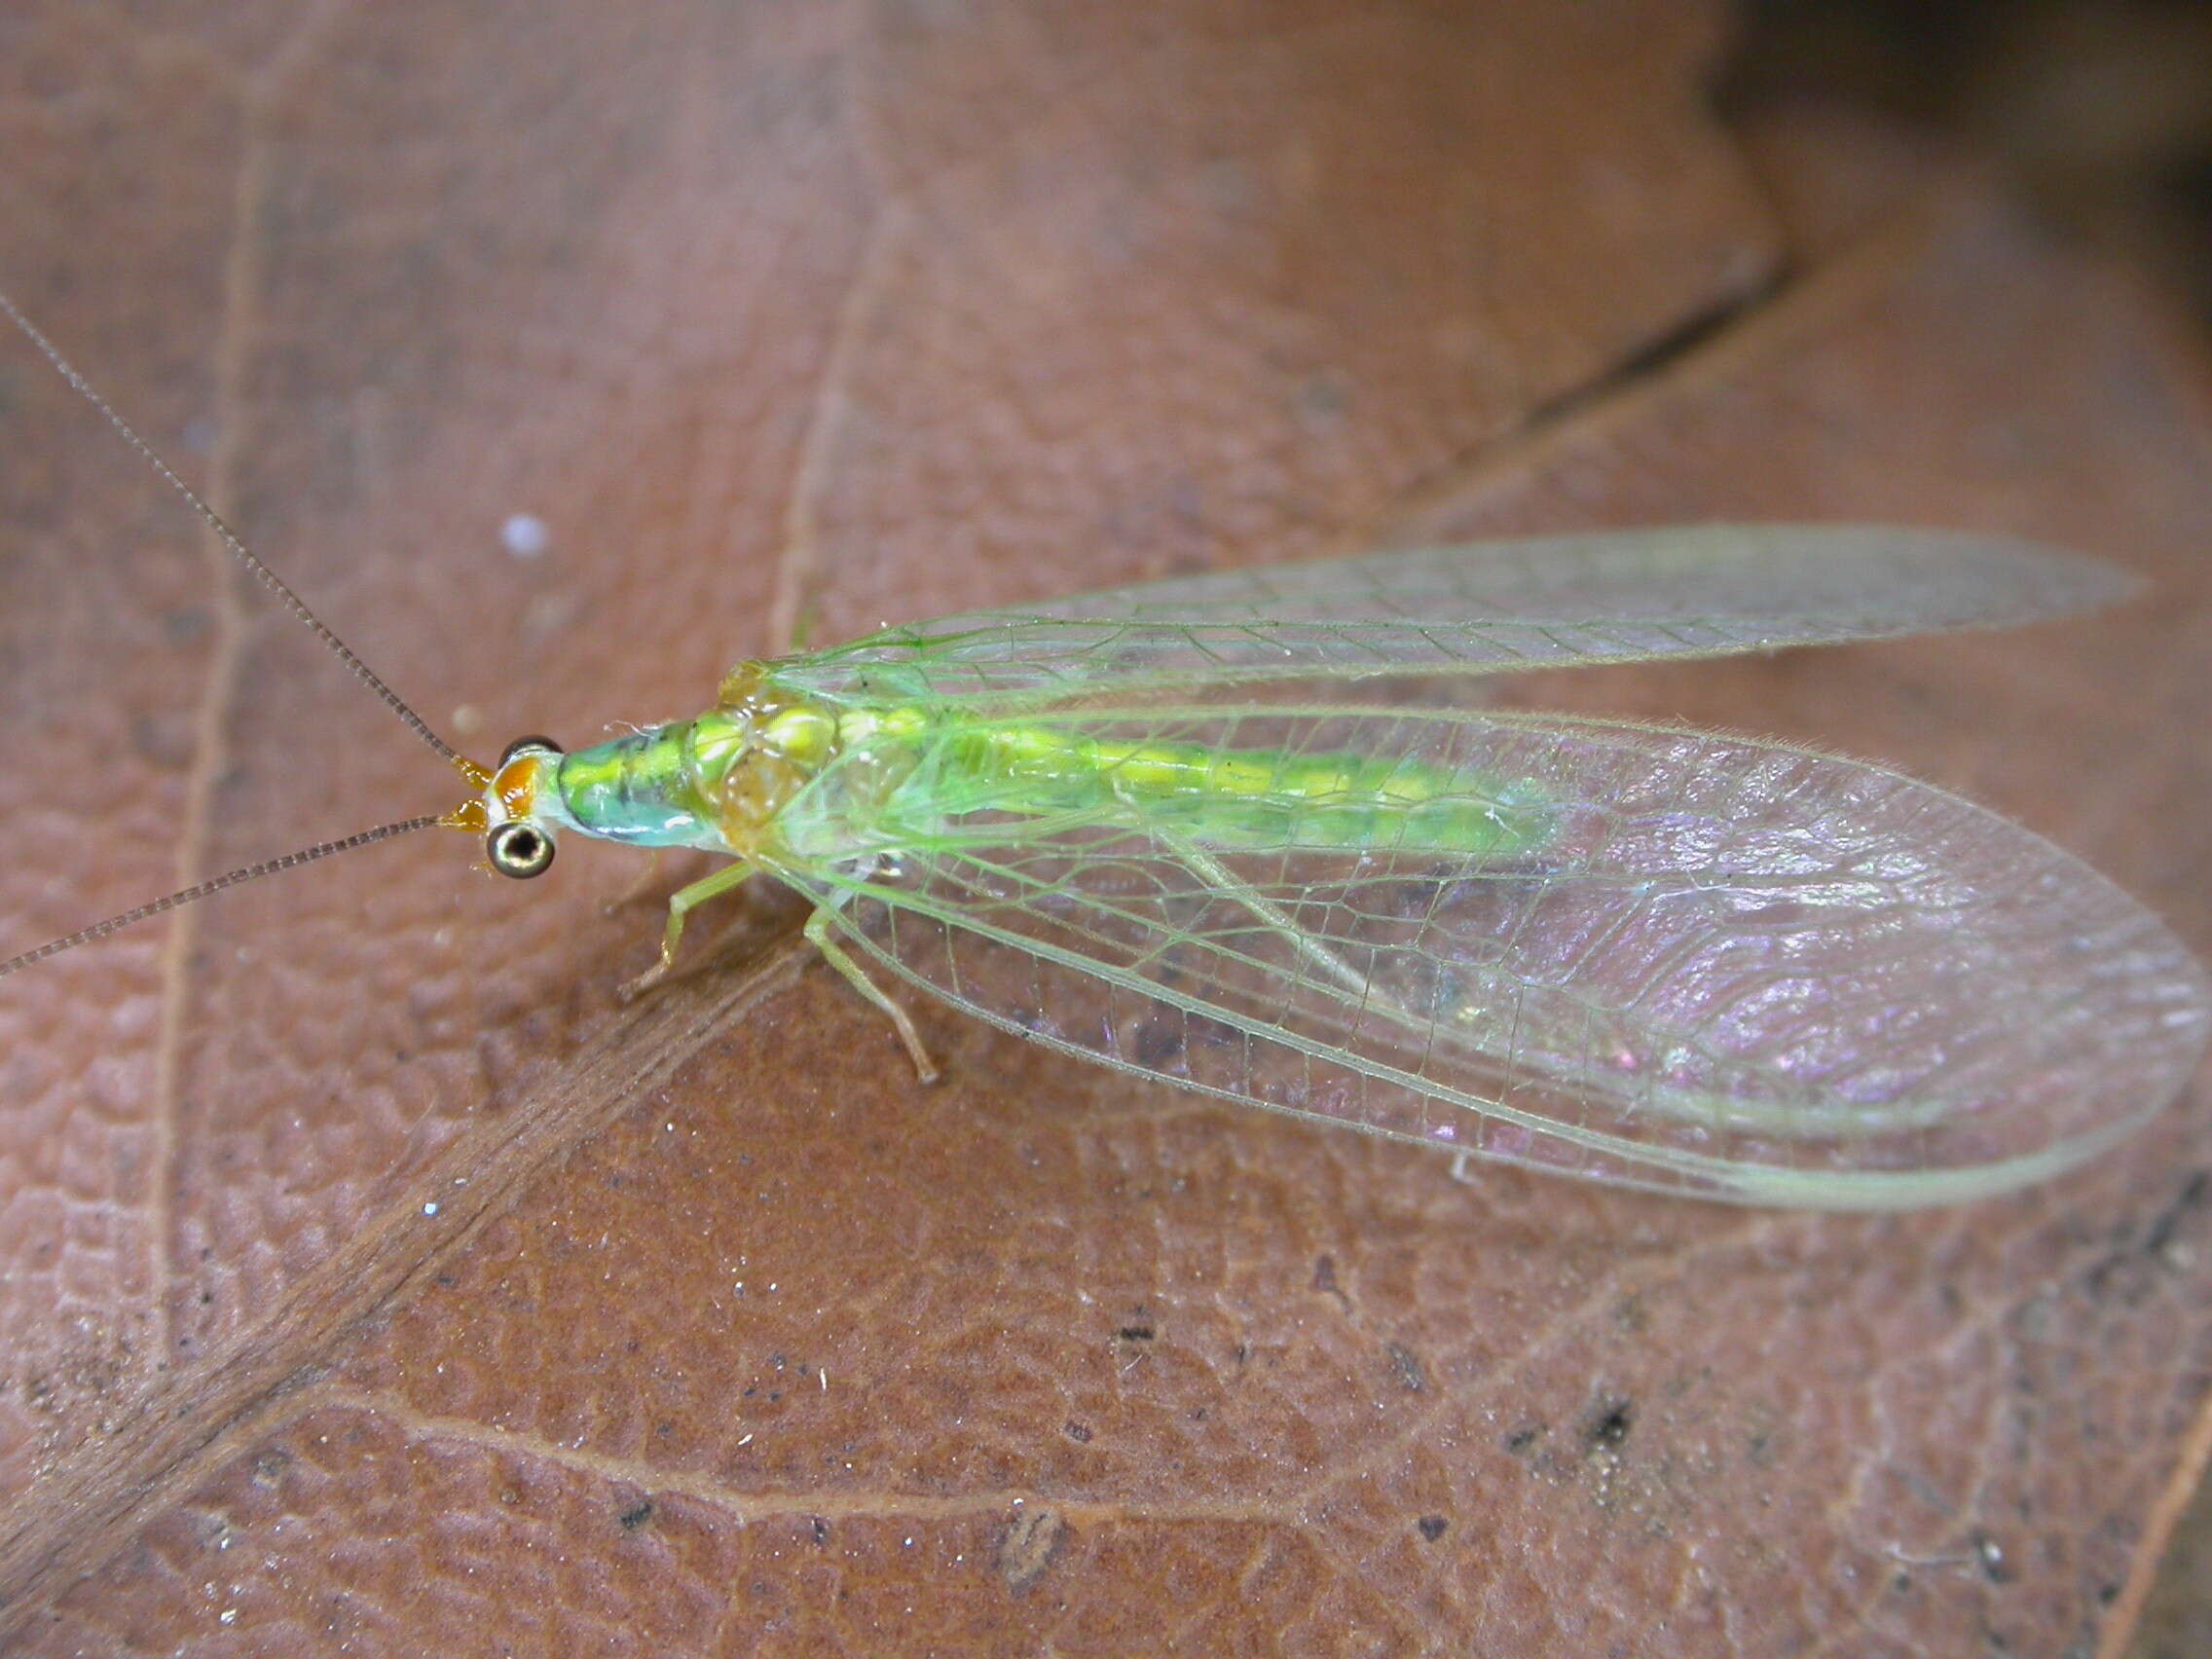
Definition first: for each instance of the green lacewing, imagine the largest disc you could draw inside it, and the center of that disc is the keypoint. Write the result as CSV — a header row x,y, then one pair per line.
x,y
1180,830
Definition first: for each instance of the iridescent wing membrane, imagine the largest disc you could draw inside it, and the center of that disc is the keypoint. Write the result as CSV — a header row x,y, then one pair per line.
x,y
1552,602
1717,965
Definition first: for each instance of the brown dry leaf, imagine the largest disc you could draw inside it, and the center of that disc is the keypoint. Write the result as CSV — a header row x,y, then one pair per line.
x,y
369,1281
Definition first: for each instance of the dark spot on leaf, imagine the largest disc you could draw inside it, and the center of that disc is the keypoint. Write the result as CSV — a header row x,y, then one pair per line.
x,y
637,1515
1078,1432
1521,1439
1325,1280
821,1530
1431,1527
1027,1546
2168,1221
1609,1424
1403,1360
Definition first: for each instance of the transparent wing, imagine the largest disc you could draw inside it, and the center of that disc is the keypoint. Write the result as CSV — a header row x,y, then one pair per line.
x,y
1699,590
1734,968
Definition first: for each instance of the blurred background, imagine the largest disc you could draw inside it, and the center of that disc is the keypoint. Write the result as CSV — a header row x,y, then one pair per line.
x,y
2101,110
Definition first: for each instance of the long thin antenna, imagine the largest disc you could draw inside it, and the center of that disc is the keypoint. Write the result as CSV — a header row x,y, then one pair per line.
x,y
238,550
200,889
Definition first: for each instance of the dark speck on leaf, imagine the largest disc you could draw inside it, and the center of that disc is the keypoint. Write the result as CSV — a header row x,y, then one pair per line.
x,y
1026,1548
1609,1423
637,1515
1431,1527
1407,1364
2168,1221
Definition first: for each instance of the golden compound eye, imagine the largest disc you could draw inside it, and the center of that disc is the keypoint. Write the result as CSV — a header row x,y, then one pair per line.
x,y
520,850
543,745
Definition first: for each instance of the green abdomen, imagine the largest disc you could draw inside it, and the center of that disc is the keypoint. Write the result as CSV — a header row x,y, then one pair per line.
x,y
1237,798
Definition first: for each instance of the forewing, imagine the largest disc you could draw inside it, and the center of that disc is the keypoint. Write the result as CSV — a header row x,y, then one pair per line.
x,y
1687,591
1734,968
